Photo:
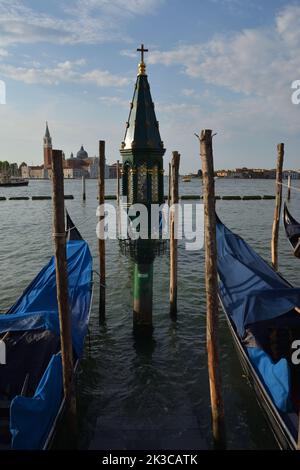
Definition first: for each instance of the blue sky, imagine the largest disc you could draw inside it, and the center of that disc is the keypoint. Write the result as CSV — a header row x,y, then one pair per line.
x,y
221,64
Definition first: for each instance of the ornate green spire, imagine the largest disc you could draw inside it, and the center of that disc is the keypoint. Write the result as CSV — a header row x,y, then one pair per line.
x,y
142,131
142,182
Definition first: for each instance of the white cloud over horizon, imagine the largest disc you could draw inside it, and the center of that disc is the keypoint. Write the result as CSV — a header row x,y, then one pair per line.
x,y
257,65
85,22
251,61
62,72
236,81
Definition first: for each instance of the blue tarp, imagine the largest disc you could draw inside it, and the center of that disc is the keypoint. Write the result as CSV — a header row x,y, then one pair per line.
x,y
37,307
250,289
31,418
276,377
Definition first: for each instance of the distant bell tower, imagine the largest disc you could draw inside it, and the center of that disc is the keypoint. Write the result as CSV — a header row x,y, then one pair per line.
x,y
47,149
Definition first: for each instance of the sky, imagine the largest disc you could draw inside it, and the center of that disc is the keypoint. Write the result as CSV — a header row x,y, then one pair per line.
x,y
226,65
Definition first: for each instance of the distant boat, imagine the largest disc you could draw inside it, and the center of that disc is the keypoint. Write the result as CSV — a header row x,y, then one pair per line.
x,y
8,181
31,385
261,309
186,179
292,230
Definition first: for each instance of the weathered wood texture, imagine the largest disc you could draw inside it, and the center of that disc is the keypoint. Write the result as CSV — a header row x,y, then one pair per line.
x,y
211,284
59,238
173,239
83,188
278,203
118,181
169,189
101,241
289,188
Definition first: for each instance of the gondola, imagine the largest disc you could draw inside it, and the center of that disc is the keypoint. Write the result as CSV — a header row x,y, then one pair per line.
x,y
31,388
292,230
262,312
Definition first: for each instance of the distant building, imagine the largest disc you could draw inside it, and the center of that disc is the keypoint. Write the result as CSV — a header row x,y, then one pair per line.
x,y
24,170
32,172
294,174
256,173
112,171
92,167
47,149
74,167
82,154
36,172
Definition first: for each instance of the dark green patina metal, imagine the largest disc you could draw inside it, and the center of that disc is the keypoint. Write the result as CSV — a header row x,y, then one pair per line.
x,y
142,153
142,144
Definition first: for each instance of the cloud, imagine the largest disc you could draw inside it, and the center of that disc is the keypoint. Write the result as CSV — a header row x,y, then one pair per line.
x,y
253,61
128,53
238,6
288,25
248,76
115,101
104,78
120,7
68,71
85,21
188,92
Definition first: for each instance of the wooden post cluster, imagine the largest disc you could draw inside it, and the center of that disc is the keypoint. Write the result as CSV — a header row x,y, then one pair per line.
x,y
59,237
101,242
211,283
278,202
173,240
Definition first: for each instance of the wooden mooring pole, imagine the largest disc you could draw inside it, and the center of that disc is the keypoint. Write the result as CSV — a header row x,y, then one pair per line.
x,y
118,182
169,190
211,283
289,188
83,188
118,199
101,244
173,240
59,237
276,221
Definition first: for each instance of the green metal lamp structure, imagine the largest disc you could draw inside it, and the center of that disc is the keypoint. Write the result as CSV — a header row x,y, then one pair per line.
x,y
142,153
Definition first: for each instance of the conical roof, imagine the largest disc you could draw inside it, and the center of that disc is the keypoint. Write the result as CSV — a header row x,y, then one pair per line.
x,y
142,131
47,133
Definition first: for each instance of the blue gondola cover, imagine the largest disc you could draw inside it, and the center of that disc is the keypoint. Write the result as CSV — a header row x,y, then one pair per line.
x,y
31,418
251,290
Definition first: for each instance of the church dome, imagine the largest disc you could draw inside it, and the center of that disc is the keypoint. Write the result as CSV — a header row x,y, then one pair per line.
x,y
82,154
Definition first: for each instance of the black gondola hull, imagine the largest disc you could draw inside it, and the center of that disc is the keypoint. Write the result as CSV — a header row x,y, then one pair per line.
x,y
285,436
292,230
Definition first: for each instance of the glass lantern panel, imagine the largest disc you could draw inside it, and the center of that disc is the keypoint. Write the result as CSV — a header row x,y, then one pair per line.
x,y
142,183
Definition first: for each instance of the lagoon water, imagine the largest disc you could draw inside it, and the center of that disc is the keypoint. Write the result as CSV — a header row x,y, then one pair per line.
x,y
131,391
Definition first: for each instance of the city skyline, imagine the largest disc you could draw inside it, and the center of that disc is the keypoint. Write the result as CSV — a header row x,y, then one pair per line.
x,y
74,64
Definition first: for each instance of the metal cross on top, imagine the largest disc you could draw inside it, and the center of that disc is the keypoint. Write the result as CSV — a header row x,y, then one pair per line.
x,y
142,50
